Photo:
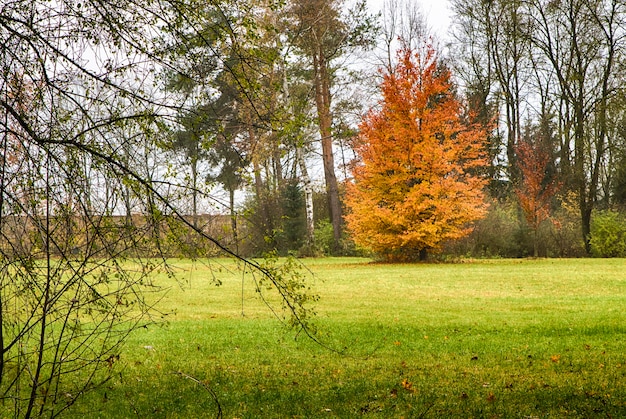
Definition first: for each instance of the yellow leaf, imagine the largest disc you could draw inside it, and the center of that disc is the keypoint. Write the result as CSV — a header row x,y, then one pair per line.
x,y
407,385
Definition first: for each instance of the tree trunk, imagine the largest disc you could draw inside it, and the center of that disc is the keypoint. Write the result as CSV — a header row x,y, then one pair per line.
x,y
233,219
322,100
194,191
579,167
308,199
585,212
306,180
261,189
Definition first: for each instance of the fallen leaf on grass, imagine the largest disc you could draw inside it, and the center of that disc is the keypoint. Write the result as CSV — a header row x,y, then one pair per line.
x,y
555,358
408,386
491,397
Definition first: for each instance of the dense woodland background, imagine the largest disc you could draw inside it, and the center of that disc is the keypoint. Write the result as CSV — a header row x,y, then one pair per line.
x,y
251,110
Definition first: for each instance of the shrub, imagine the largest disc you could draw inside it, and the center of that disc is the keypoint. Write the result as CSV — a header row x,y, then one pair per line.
x,y
497,235
504,233
608,234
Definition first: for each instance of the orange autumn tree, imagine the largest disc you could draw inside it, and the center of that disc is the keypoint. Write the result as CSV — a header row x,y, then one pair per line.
x,y
415,178
537,187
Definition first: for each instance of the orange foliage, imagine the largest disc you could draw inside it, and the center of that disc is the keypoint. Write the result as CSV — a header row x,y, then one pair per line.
x,y
536,189
534,193
415,183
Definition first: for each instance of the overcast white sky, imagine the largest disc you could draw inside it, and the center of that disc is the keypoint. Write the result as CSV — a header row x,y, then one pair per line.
x,y
437,13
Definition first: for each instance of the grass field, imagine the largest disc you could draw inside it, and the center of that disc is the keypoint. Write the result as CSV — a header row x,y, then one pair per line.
x,y
501,338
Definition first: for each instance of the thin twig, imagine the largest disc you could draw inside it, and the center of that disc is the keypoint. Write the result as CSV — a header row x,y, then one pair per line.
x,y
207,388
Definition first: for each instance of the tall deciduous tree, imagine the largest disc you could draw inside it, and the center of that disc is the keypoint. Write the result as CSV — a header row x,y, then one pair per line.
x,y
584,43
323,34
497,31
415,182
558,60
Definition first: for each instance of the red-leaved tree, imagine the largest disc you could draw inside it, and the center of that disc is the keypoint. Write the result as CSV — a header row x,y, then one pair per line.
x,y
536,188
415,179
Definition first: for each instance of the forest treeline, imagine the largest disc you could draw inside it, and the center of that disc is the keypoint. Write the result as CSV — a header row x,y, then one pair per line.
x,y
264,100
544,80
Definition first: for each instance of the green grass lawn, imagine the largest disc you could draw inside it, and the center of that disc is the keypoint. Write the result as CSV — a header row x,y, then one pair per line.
x,y
501,338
